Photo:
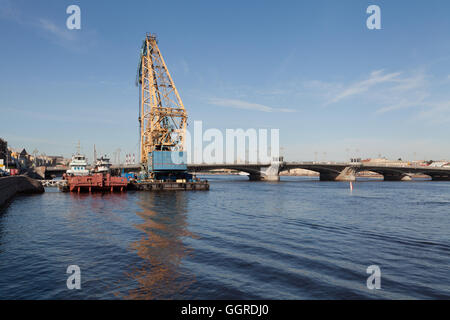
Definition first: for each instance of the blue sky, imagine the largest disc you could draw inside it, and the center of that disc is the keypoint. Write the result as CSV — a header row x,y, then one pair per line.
x,y
310,68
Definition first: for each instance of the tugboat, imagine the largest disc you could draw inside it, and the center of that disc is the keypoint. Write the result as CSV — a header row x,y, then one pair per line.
x,y
78,164
103,165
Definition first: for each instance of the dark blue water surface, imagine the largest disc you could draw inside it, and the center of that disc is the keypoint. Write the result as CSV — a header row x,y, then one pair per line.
x,y
296,239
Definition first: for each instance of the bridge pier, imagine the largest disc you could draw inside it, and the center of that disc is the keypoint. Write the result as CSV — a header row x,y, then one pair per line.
x,y
272,178
268,173
348,174
263,177
272,172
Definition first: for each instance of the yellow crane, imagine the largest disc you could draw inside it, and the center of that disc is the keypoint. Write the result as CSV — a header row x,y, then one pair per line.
x,y
162,116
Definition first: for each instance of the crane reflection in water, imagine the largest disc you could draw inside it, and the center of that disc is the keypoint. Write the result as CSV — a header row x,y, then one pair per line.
x,y
160,249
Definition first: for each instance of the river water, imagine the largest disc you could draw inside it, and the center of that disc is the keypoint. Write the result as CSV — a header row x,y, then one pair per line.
x,y
296,239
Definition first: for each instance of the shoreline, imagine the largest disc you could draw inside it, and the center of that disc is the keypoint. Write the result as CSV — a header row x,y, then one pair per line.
x,y
11,186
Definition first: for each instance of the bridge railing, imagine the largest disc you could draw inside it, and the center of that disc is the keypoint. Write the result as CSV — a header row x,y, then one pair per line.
x,y
383,165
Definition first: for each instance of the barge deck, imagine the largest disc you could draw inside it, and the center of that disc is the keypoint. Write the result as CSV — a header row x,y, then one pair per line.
x,y
151,185
94,183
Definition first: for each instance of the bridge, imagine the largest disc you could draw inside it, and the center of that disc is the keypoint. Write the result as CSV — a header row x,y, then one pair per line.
x,y
328,171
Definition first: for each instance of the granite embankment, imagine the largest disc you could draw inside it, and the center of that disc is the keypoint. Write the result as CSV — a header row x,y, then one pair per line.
x,y
10,186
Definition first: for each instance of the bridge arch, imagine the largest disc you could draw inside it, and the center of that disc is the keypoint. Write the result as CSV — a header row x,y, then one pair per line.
x,y
327,172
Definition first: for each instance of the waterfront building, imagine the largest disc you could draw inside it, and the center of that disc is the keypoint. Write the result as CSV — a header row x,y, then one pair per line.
x,y
3,150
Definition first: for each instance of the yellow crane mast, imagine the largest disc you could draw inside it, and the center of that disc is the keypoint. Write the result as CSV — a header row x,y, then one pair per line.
x,y
162,117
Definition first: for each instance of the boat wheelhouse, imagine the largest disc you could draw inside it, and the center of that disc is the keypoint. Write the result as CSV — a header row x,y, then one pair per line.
x,y
77,166
103,165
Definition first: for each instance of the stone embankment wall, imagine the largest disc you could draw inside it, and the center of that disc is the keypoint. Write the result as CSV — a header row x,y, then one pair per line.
x,y
10,186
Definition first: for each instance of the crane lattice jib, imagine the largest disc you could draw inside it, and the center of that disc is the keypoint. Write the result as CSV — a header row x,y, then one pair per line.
x,y
162,116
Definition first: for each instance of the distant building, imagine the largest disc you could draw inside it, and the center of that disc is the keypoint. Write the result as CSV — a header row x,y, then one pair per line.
x,y
14,154
24,159
3,150
3,154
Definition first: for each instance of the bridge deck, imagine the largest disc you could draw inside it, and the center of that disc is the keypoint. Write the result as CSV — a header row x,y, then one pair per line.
x,y
321,167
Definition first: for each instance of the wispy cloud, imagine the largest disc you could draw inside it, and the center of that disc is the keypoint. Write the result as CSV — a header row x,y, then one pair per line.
x,y
61,33
376,77
413,91
407,92
415,100
384,92
420,96
239,104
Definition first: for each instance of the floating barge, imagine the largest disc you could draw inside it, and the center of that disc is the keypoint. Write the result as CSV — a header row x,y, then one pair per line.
x,y
155,185
94,183
107,183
